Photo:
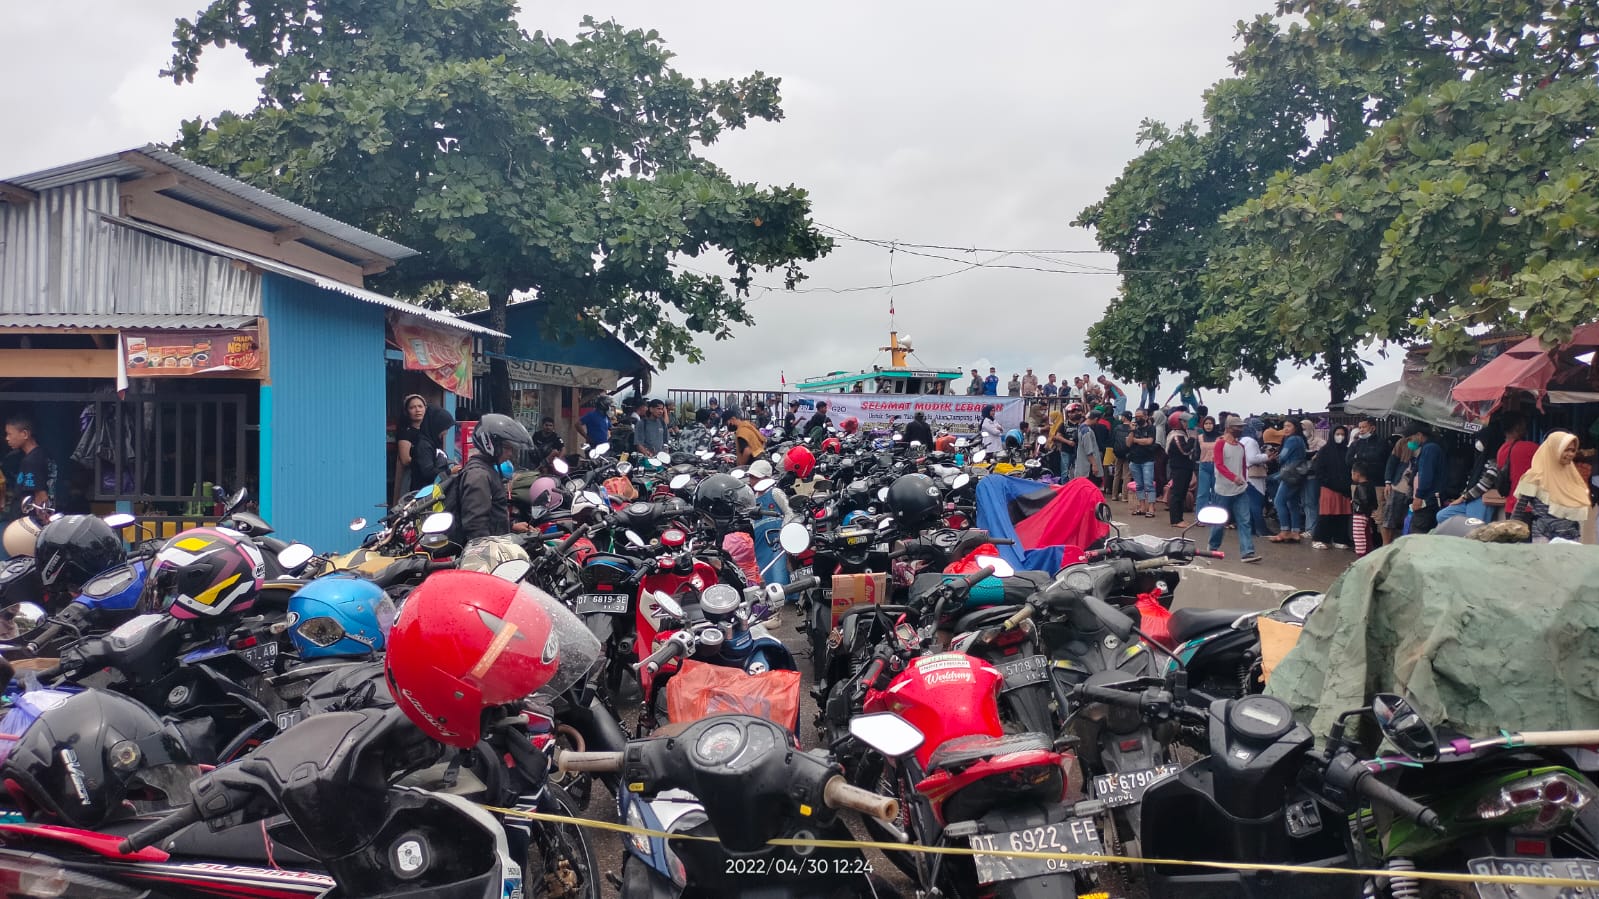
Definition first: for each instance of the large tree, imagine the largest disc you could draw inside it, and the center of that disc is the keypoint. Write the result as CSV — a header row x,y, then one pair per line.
x,y
514,162
1445,181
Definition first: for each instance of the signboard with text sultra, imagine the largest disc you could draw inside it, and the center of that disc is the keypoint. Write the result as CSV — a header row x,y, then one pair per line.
x,y
880,411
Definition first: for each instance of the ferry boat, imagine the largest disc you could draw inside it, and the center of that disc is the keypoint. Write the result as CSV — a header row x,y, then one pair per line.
x,y
896,377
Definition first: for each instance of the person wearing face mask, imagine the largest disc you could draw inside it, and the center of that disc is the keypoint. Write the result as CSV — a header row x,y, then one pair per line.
x,y
1430,464
1232,489
1553,498
1205,492
484,504
1332,473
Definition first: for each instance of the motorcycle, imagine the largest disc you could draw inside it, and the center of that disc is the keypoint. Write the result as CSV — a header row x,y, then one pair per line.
x,y
743,781
959,776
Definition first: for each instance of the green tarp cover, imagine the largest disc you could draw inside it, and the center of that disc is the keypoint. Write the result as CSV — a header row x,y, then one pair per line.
x,y
1480,636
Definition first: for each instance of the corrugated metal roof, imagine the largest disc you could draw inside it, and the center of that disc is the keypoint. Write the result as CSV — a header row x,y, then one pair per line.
x,y
300,274
114,165
117,321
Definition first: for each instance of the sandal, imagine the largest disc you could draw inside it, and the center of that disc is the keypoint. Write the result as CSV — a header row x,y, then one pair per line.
x,y
1281,538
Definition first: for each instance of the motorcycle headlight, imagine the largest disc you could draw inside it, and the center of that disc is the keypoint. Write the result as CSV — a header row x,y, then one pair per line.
x,y
1541,803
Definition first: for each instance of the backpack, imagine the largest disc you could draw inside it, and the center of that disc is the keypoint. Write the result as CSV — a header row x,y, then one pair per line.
x,y
1502,475
450,501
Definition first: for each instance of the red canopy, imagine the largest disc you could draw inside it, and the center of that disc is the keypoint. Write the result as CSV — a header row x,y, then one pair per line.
x,y
1505,372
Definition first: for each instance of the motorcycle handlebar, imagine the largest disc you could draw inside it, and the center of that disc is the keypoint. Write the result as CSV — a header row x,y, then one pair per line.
x,y
840,793
1022,614
44,639
1211,554
1377,791
800,585
1111,696
50,673
159,830
669,650
597,762
571,539
978,576
1148,564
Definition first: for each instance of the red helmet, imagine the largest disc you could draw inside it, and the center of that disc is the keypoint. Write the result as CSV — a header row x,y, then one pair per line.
x,y
800,461
1176,420
466,641
1074,407
850,425
833,445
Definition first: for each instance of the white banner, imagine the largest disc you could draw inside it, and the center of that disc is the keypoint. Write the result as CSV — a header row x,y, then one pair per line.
x,y
881,411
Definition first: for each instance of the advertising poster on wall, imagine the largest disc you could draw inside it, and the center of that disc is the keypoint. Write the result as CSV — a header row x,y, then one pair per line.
x,y
174,353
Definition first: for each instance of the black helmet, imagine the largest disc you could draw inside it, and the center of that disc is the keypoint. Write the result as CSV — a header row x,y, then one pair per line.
x,y
495,430
724,498
914,498
74,548
81,762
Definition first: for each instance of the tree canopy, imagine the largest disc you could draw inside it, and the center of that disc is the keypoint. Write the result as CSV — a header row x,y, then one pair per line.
x,y
1380,171
514,162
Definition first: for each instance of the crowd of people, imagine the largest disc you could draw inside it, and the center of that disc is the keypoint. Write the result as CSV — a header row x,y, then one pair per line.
x,y
1085,389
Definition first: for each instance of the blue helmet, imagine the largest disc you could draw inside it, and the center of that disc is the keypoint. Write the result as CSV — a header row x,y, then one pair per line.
x,y
1014,438
339,615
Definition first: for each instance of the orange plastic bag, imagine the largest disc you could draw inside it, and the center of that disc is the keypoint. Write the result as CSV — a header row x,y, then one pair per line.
x,y
700,690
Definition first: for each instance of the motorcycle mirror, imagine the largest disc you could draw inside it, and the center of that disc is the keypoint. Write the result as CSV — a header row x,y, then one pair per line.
x,y
882,494
962,443
1215,516
560,465
916,444
668,605
24,616
705,454
592,498
1113,618
886,732
663,457
1031,463
1300,605
1001,567
218,493
680,481
238,498
357,523
738,473
763,485
632,537
512,570
794,538
28,505
886,523
294,555
1404,727
118,520
1102,513
961,480
979,457
777,459
599,451
624,468
898,437
437,523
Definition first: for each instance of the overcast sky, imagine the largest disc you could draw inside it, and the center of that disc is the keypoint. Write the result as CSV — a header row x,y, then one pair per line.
x,y
970,125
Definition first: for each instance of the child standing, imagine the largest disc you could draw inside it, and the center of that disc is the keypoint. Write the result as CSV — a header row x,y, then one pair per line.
x,y
1363,501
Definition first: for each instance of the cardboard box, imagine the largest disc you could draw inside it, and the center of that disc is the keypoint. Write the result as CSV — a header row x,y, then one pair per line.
x,y
851,590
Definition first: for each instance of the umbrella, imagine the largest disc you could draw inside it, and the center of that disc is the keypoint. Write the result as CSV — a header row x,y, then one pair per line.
x,y
1507,371
1379,401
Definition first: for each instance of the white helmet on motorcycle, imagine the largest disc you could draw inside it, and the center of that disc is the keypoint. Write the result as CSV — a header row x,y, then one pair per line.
x,y
20,536
488,553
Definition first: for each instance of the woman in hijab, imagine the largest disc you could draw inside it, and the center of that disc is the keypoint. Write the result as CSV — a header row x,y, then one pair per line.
x,y
418,444
993,435
1059,443
1331,468
1552,497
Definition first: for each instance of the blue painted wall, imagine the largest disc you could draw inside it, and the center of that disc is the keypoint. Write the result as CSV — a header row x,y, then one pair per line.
x,y
322,417
524,322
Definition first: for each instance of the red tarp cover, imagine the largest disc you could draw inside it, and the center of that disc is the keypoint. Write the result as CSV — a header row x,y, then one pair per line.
x,y
1068,520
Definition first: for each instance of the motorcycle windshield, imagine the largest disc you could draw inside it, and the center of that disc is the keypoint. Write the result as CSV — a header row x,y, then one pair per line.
x,y
579,648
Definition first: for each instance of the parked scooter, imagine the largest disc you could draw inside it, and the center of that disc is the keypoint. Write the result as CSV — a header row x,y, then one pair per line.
x,y
744,781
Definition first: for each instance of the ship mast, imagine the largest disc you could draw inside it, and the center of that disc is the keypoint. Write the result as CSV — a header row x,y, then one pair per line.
x,y
896,353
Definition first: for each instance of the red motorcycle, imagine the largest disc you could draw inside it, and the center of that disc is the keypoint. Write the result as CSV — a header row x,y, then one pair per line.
x,y
934,724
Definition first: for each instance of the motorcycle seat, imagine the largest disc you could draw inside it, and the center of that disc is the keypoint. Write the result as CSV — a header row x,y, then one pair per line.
x,y
957,752
1188,623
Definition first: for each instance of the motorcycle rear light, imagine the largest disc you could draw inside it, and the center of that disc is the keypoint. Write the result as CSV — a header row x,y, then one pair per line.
x,y
244,642
1533,848
1011,637
1129,745
1539,803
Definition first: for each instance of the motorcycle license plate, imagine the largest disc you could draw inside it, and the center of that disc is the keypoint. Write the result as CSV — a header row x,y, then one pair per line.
x,y
1565,868
1127,787
1076,835
262,655
1025,670
609,603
